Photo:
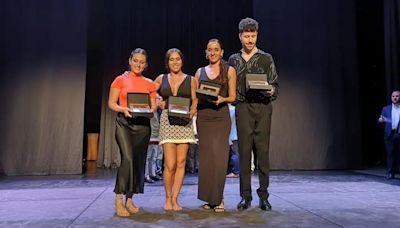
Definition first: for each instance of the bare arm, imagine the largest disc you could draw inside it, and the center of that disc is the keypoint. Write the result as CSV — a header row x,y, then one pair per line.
x,y
153,104
193,87
158,81
153,93
231,88
113,105
197,77
231,85
160,103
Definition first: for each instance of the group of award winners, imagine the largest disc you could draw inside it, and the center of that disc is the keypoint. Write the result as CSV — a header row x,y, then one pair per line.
x,y
236,81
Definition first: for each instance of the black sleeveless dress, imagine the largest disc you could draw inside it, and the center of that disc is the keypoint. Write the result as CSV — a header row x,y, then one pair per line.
x,y
213,128
174,133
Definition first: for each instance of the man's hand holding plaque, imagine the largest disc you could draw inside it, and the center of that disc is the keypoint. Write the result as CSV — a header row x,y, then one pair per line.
x,y
259,82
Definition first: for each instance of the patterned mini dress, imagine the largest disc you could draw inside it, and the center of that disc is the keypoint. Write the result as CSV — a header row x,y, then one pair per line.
x,y
175,133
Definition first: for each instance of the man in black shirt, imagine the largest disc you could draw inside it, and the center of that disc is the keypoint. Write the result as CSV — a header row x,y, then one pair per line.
x,y
253,112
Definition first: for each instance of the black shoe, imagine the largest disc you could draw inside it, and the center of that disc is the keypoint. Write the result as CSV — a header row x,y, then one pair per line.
x,y
148,180
390,176
244,204
265,205
156,178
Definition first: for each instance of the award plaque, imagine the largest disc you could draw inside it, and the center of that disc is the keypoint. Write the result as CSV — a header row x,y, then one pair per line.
x,y
208,90
257,82
139,105
178,110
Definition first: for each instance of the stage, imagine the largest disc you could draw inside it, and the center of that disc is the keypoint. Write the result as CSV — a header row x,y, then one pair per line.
x,y
298,198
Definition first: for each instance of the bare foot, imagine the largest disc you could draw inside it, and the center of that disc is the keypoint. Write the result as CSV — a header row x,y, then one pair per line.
x,y
168,204
220,207
130,206
175,204
119,207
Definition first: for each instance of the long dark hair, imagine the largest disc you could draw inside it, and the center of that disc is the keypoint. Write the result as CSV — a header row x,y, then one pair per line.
x,y
223,65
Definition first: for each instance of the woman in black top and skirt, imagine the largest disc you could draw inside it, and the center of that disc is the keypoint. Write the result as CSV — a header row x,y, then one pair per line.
x,y
132,134
213,126
175,139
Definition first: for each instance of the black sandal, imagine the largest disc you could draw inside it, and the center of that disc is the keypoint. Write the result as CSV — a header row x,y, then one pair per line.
x,y
207,206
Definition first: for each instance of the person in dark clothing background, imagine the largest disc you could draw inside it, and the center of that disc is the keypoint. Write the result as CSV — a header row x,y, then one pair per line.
x,y
390,117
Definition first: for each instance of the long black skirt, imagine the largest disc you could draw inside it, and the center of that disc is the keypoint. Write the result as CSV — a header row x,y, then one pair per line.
x,y
213,127
132,135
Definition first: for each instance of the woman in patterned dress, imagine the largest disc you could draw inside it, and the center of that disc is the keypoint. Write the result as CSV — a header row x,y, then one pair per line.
x,y
175,139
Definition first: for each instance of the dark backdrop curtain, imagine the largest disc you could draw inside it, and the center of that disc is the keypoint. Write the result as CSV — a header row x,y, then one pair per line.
x,y
42,66
392,44
316,118
116,28
43,63
316,121
371,64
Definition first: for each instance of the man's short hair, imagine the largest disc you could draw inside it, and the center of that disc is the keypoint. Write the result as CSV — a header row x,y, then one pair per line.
x,y
248,25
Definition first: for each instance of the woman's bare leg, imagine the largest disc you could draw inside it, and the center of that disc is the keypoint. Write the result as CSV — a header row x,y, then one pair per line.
x,y
181,154
170,152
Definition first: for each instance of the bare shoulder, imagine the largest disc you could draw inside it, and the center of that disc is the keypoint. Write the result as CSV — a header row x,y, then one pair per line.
x,y
159,78
193,79
197,74
231,72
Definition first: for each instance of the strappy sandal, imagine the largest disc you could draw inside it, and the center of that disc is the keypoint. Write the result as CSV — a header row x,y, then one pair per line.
x,y
220,207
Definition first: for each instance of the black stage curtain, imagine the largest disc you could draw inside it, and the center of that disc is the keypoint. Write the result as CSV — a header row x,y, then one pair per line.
x,y
316,121
316,118
116,28
370,45
43,65
392,44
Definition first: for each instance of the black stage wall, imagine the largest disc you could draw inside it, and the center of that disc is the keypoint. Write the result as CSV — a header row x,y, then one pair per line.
x,y
315,44
43,66
372,82
316,119
119,27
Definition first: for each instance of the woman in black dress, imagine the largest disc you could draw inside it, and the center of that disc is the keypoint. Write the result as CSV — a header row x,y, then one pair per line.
x,y
213,126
